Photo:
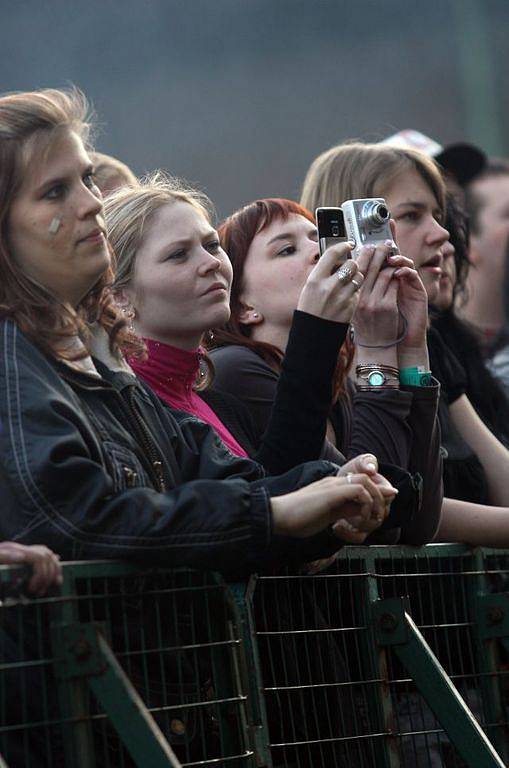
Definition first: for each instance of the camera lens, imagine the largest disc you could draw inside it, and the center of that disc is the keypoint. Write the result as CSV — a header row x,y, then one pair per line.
x,y
375,214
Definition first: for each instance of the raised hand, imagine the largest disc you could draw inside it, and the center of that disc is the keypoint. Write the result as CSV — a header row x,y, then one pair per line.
x,y
331,290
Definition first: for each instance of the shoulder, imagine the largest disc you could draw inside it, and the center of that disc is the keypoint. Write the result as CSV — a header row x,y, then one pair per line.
x,y
239,360
20,358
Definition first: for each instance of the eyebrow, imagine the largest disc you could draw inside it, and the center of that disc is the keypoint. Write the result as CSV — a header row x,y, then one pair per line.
x,y
413,203
183,241
289,236
89,168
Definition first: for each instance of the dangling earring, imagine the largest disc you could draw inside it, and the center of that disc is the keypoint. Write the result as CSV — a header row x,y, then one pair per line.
x,y
129,314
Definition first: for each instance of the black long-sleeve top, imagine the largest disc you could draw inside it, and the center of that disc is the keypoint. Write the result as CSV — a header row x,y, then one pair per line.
x,y
290,410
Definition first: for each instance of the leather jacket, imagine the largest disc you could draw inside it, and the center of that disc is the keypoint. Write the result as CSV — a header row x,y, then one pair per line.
x,y
99,468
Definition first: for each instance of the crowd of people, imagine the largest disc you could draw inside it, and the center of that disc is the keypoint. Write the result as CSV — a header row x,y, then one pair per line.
x,y
178,393
181,394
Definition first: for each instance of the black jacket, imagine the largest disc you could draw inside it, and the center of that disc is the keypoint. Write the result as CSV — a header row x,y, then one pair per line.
x,y
99,468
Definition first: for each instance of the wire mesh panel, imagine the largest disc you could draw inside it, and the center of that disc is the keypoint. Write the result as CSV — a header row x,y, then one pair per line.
x,y
337,697
316,664
173,634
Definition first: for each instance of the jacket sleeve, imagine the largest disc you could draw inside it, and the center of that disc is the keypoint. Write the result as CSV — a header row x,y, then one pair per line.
x,y
291,409
55,489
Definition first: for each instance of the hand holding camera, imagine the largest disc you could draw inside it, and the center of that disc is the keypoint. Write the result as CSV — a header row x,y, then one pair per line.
x,y
331,290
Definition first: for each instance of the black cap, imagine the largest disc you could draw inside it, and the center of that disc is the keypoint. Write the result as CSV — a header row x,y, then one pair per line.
x,y
463,161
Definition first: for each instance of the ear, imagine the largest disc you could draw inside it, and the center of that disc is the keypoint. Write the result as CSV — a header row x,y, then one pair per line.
x,y
248,315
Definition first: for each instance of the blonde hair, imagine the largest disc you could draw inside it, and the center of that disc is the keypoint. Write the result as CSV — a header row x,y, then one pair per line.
x,y
357,170
129,209
29,124
110,173
128,212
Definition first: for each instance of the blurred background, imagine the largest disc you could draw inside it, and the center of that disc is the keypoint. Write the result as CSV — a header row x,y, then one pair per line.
x,y
239,96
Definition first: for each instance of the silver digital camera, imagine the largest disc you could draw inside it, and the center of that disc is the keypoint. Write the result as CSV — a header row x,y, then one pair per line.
x,y
366,222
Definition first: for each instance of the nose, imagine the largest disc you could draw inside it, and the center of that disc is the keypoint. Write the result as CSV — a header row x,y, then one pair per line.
x,y
90,202
209,263
437,233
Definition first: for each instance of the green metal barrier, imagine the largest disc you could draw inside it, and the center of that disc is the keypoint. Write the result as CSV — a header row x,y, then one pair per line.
x,y
379,671
391,657
120,668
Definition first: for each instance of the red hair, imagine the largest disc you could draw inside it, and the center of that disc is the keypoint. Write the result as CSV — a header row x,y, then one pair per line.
x,y
236,234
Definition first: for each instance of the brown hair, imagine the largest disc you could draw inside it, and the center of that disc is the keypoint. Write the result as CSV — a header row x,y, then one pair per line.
x,y
30,121
236,234
356,170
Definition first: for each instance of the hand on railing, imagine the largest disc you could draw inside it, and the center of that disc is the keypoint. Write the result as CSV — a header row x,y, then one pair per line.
x,y
45,564
352,505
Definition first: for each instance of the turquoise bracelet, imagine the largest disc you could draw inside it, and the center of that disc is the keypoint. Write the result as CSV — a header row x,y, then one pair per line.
x,y
415,376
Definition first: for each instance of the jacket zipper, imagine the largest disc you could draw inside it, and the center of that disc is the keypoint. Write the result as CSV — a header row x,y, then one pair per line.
x,y
147,443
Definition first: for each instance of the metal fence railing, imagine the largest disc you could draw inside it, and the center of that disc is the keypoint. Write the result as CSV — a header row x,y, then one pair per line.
x,y
392,657
122,668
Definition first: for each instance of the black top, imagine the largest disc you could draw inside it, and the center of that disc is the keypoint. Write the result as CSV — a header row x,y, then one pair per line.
x,y
399,426
464,476
484,391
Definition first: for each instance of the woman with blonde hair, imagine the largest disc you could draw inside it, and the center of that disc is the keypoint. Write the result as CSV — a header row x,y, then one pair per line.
x,y
414,190
174,280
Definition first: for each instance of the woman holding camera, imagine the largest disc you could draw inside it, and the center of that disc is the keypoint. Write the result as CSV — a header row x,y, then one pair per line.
x,y
273,243
174,279
415,194
92,464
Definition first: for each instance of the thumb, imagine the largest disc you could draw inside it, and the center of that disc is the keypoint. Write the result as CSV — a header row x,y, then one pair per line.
x,y
368,463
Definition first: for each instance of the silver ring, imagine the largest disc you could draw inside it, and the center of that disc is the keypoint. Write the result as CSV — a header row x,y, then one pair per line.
x,y
354,282
349,477
344,272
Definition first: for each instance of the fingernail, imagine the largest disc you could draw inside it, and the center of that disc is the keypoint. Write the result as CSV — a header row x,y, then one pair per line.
x,y
345,524
371,466
351,243
389,242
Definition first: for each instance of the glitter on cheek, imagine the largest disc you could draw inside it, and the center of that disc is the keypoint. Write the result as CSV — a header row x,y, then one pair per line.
x,y
55,225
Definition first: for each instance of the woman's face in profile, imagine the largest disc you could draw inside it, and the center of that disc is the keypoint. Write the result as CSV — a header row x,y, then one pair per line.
x,y
182,277
419,231
277,266
55,223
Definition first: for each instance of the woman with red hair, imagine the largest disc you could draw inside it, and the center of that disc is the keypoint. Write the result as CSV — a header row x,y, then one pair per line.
x,y
282,317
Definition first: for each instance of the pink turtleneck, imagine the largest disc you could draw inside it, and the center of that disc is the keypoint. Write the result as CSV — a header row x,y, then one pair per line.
x,y
171,372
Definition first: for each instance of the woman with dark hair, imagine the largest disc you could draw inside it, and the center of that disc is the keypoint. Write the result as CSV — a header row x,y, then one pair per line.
x,y
484,391
273,248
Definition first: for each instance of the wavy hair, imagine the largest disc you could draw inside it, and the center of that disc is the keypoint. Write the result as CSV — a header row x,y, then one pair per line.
x,y
236,234
29,123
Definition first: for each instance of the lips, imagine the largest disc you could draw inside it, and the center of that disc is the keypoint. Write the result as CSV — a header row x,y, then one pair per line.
x,y
96,235
215,287
434,264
